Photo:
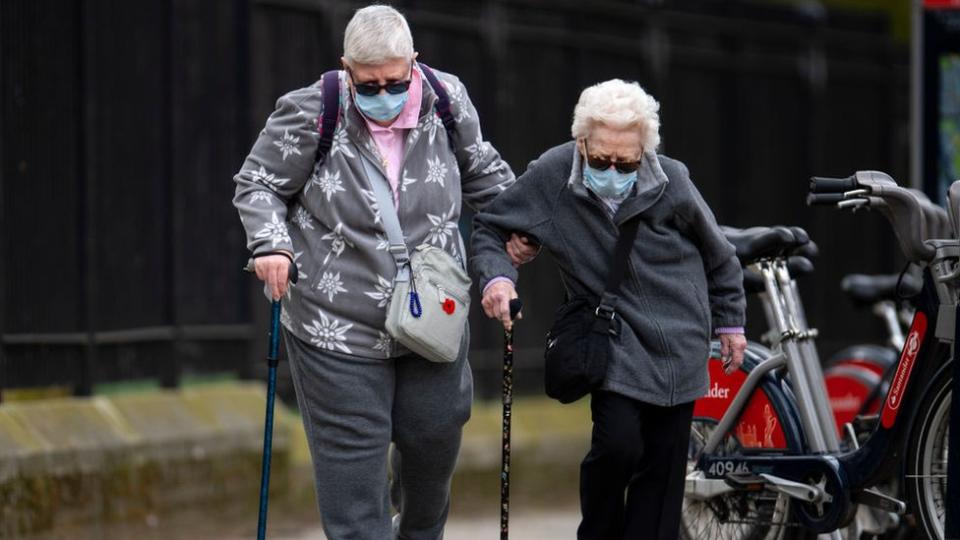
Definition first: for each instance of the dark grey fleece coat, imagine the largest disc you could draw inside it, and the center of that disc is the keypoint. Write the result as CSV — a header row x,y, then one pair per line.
x,y
683,277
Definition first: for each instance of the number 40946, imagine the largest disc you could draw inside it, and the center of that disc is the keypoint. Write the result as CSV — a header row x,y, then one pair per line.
x,y
721,468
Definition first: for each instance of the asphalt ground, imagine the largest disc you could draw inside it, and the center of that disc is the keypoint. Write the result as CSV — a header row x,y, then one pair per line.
x,y
532,525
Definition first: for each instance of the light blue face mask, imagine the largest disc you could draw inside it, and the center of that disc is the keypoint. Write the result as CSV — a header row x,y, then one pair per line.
x,y
609,183
383,106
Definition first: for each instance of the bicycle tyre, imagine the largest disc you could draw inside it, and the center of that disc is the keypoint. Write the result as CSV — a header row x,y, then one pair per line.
x,y
927,455
748,515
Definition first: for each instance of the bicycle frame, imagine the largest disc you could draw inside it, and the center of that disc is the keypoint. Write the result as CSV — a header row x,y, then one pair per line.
x,y
811,360
919,362
826,411
829,485
843,477
807,381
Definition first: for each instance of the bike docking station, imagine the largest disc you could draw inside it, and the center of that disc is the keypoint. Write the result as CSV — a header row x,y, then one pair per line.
x,y
767,453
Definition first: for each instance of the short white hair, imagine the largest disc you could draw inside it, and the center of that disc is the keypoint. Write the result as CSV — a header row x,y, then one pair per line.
x,y
376,35
619,105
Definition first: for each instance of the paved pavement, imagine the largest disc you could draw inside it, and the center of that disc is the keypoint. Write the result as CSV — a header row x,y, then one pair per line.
x,y
538,525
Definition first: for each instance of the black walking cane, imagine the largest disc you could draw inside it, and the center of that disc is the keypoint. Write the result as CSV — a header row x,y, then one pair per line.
x,y
273,358
515,306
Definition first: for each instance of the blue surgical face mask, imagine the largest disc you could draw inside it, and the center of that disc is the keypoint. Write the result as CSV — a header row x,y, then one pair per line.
x,y
382,107
609,183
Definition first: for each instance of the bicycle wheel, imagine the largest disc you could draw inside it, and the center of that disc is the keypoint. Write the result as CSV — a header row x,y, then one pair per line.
x,y
754,515
926,468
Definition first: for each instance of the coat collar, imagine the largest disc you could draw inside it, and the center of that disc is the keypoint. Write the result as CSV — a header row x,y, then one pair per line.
x,y
650,186
355,124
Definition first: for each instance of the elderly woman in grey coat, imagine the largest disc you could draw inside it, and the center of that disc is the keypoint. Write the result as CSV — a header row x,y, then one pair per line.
x,y
682,281
357,387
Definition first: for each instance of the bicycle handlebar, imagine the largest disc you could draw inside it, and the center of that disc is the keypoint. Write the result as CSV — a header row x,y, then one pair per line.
x,y
875,189
820,184
824,199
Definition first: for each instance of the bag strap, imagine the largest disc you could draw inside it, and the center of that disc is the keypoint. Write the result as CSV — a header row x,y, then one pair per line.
x,y
618,268
329,114
388,214
327,123
442,106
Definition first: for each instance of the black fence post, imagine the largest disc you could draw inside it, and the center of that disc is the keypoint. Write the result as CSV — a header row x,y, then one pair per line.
x,y
170,373
4,368
249,368
86,201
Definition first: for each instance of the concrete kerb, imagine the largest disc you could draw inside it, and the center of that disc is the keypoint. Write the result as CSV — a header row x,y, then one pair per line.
x,y
69,463
76,462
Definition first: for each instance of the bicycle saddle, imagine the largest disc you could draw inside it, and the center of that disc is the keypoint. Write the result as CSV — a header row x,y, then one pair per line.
x,y
758,243
798,267
866,290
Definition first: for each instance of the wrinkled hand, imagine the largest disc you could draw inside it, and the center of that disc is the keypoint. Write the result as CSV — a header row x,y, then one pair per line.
x,y
496,302
521,250
732,347
273,270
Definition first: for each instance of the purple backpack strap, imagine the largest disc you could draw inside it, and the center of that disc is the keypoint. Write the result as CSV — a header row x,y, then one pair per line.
x,y
443,102
329,114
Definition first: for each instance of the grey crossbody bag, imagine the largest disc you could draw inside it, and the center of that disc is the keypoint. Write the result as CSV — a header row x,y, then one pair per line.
x,y
431,291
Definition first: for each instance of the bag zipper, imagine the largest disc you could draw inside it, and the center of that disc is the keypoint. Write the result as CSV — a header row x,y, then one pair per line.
x,y
446,294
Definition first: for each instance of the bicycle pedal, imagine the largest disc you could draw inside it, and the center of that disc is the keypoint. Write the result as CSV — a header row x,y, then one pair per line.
x,y
745,481
875,499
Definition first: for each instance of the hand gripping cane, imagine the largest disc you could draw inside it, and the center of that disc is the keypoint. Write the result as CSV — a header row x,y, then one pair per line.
x,y
272,361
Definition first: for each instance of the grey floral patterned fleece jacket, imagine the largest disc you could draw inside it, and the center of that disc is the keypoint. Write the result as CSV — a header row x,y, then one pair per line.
x,y
327,215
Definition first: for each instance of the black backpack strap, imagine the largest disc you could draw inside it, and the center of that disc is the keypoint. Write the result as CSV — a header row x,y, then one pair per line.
x,y
327,123
443,102
329,113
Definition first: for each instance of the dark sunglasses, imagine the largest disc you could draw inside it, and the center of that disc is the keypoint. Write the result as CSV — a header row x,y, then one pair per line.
x,y
604,163
372,89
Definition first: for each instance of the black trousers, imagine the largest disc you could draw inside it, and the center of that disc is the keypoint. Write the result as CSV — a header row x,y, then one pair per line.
x,y
631,482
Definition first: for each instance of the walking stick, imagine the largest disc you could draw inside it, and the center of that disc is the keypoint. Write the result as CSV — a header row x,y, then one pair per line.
x,y
273,358
515,306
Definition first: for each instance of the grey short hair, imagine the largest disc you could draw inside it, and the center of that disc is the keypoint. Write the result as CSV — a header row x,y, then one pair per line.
x,y
375,35
620,105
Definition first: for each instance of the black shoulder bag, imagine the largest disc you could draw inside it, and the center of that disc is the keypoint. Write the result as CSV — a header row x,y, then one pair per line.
x,y
578,344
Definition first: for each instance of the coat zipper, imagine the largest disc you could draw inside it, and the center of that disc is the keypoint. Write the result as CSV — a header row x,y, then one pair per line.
x,y
663,340
599,206
636,282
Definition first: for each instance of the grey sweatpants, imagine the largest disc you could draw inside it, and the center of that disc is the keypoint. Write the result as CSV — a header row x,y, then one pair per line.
x,y
353,408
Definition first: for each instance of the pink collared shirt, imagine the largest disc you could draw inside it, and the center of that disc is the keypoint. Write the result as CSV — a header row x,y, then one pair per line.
x,y
389,139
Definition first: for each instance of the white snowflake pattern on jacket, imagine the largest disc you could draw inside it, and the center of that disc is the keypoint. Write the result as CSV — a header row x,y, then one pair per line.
x,y
334,226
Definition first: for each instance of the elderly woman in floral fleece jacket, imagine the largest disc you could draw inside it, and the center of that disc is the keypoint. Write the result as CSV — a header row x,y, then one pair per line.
x,y
359,389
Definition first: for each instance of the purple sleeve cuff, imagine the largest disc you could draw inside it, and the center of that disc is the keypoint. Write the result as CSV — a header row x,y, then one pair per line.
x,y
497,279
728,330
